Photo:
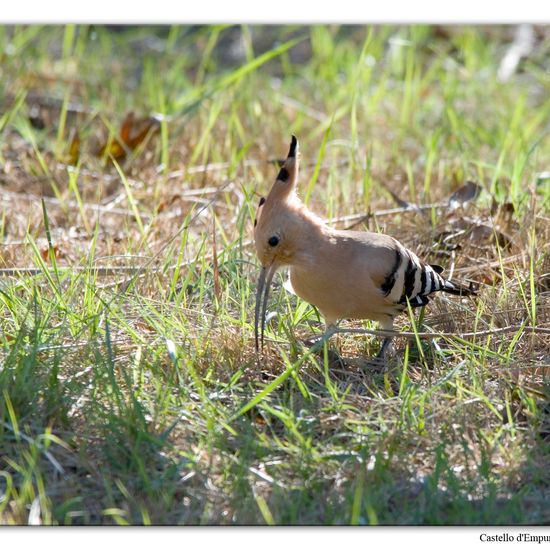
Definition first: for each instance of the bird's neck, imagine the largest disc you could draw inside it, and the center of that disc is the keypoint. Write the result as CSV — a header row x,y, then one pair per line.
x,y
311,235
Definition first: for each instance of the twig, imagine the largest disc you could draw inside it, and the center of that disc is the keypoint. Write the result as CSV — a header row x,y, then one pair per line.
x,y
100,271
432,335
192,195
362,216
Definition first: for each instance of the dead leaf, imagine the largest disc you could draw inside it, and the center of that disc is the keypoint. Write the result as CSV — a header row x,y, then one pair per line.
x,y
144,127
503,215
126,127
144,327
74,149
36,117
45,253
168,202
484,232
489,277
468,192
132,133
114,149
402,203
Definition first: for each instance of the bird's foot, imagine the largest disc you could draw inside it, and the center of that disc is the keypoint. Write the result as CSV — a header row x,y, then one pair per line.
x,y
387,351
310,342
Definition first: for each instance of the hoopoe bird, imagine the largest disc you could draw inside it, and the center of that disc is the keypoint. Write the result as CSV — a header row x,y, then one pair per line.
x,y
345,274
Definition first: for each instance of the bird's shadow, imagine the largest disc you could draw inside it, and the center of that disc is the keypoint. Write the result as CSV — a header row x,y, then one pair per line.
x,y
364,373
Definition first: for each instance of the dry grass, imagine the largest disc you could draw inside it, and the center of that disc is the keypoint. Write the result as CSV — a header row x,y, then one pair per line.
x,y
131,390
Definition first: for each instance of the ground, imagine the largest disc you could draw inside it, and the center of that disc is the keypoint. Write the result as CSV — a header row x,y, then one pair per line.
x,y
131,164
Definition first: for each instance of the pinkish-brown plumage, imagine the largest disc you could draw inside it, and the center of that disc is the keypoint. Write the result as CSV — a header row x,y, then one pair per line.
x,y
345,274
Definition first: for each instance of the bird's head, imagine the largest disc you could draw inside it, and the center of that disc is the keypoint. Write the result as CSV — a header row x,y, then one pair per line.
x,y
276,217
277,229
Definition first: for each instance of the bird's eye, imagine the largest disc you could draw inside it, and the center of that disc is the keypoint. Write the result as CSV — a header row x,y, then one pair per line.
x,y
273,241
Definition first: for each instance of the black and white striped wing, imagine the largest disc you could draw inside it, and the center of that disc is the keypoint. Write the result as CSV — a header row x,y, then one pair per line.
x,y
412,280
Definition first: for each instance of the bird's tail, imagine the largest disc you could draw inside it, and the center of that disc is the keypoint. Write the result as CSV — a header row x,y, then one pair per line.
x,y
459,289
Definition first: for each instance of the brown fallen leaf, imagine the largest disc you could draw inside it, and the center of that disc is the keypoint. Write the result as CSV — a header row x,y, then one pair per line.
x,y
126,127
132,133
144,327
259,419
477,231
150,125
400,202
481,233
36,117
468,192
45,253
504,216
74,149
168,202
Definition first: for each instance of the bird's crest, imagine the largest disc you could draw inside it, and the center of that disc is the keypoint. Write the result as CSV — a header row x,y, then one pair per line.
x,y
285,184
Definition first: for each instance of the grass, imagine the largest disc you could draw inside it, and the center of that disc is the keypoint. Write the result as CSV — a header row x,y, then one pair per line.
x,y
130,389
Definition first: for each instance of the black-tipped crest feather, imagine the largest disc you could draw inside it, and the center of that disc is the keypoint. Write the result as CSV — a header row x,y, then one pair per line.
x,y
283,174
293,147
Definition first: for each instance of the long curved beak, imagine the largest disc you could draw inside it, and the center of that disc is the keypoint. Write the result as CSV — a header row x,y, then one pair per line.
x,y
262,296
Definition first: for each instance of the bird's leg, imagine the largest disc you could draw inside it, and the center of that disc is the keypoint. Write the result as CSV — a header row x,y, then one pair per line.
x,y
330,330
387,349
